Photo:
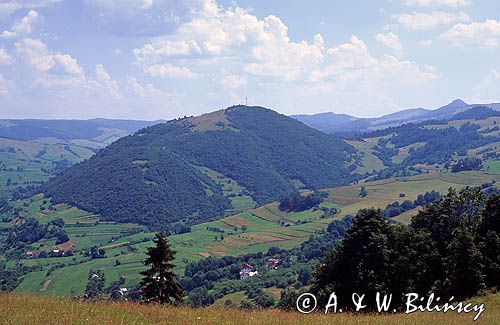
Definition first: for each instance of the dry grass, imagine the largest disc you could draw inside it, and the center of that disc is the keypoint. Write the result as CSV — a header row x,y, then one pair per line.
x,y
24,309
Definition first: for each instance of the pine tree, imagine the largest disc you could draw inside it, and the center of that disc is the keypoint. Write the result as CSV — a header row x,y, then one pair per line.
x,y
159,284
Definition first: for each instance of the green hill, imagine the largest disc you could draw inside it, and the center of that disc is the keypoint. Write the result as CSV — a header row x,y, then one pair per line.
x,y
162,175
24,164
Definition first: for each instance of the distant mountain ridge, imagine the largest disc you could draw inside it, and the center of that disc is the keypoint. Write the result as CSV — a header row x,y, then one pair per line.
x,y
331,123
93,133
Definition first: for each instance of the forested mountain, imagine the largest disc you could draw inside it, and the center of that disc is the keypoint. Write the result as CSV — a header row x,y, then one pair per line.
x,y
159,175
324,121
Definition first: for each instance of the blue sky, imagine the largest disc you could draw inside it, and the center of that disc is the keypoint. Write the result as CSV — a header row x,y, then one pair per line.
x,y
151,59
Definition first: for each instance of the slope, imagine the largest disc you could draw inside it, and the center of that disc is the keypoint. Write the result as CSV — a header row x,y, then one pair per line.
x,y
155,177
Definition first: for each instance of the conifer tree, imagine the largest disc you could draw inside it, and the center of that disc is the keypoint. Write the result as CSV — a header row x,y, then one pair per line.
x,y
159,283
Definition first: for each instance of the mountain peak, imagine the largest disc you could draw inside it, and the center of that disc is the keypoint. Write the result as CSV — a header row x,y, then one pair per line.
x,y
457,103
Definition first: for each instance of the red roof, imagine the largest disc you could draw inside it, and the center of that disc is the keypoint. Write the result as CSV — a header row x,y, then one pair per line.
x,y
247,266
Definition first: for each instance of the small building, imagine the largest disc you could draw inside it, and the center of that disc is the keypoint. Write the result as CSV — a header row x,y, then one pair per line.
x,y
33,254
273,263
247,271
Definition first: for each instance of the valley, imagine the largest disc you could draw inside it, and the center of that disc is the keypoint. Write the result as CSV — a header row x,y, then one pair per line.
x,y
214,183
251,231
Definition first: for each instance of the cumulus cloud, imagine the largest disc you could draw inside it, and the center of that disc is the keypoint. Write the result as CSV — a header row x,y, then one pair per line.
x,y
4,85
231,45
485,34
168,70
36,53
392,41
105,82
428,21
9,6
23,27
437,3
5,58
488,88
165,48
141,90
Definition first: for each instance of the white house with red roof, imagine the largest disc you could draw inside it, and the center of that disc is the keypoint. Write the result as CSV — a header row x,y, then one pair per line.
x,y
247,271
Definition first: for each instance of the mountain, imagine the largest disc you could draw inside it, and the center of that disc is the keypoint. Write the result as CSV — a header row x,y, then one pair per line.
x,y
94,133
329,125
406,114
170,174
327,122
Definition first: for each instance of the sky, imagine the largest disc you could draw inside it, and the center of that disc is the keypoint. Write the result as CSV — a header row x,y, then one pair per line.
x,y
162,59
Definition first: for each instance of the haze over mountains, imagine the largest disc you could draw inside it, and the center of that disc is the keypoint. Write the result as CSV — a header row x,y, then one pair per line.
x,y
330,122
94,133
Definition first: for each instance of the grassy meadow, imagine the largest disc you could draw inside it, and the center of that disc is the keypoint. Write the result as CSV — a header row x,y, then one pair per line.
x,y
29,309
29,163
250,231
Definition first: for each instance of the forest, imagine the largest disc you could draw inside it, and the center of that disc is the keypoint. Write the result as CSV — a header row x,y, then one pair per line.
x,y
153,178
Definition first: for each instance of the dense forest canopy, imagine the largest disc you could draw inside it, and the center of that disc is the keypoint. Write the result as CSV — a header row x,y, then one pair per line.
x,y
153,177
450,248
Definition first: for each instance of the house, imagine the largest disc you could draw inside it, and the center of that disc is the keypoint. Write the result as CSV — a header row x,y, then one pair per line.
x,y
247,271
273,263
33,254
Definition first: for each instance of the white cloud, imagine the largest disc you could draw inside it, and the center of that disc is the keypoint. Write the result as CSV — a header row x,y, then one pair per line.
x,y
485,34
392,41
36,53
4,86
488,88
9,6
105,82
139,89
168,70
165,48
233,45
437,3
5,58
351,62
425,42
428,21
145,90
23,27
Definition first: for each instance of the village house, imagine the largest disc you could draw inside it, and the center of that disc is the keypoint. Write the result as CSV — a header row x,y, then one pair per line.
x,y
273,263
247,271
33,254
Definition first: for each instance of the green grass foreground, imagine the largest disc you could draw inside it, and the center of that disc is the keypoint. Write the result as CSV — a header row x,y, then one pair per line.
x,y
28,309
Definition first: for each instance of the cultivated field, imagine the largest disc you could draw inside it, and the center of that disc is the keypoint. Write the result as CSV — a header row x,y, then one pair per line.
x,y
27,163
250,231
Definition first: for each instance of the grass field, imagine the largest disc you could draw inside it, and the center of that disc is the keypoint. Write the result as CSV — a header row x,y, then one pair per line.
x,y
26,309
25,163
369,161
250,231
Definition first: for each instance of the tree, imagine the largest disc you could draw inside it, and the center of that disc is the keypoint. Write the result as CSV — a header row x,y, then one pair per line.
x,y
288,299
200,297
463,265
489,241
360,263
159,283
